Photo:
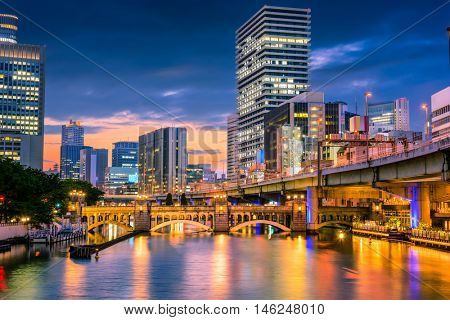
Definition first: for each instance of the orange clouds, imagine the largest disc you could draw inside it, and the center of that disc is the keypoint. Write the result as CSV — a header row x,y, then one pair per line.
x,y
205,144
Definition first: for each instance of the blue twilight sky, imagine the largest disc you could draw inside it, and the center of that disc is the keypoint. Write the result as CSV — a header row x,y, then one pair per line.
x,y
181,54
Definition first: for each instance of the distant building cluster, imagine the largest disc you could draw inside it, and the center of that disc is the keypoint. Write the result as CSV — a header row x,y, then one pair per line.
x,y
280,128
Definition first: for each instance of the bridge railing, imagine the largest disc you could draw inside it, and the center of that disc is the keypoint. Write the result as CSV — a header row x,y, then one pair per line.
x,y
431,235
370,227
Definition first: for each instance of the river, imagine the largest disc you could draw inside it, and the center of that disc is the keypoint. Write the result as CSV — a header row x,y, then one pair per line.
x,y
254,264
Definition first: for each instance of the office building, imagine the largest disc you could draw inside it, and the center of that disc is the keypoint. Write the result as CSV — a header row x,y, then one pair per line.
x,y
440,113
389,116
22,89
232,148
315,120
272,52
125,154
23,148
93,164
72,134
70,161
200,173
118,179
347,116
72,142
163,161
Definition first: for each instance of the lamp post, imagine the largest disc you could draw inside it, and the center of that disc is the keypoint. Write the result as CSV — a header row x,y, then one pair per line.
x,y
424,106
367,95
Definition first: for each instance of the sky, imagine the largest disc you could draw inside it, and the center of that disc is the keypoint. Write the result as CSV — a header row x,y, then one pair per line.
x,y
127,67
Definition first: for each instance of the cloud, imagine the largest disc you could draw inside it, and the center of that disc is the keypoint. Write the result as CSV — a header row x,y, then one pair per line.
x,y
170,93
340,54
363,83
205,144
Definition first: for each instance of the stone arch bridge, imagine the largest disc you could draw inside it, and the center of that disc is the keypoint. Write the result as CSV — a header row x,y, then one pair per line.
x,y
220,217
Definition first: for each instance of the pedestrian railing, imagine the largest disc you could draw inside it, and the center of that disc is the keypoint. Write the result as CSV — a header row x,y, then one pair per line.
x,y
370,227
443,236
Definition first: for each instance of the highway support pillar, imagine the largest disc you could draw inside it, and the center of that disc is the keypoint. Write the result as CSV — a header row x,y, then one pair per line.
x,y
420,204
312,209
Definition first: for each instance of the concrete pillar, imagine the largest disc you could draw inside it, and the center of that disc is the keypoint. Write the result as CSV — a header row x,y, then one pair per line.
x,y
420,204
221,217
312,208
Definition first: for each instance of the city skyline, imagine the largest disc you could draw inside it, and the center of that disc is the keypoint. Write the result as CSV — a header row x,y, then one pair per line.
x,y
188,88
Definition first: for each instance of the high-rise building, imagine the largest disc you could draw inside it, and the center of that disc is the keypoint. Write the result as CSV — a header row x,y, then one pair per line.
x,y
72,142
72,134
162,161
389,116
125,154
200,173
23,148
22,88
272,52
93,164
118,178
232,148
440,113
70,161
315,119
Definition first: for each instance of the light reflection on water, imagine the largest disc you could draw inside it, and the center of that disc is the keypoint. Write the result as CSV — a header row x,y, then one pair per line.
x,y
253,264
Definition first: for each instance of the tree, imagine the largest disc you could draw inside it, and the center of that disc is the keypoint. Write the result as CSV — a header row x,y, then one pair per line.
x,y
92,194
28,193
183,200
169,200
31,193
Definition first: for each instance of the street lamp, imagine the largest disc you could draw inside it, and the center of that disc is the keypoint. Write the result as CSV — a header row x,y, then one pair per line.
x,y
424,106
367,95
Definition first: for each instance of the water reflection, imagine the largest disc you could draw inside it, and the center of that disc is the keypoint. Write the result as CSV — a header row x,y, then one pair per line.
x,y
256,263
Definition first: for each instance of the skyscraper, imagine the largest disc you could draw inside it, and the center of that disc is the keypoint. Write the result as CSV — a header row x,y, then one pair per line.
x,y
315,120
232,148
389,116
162,161
125,154
93,163
22,88
72,142
272,51
72,134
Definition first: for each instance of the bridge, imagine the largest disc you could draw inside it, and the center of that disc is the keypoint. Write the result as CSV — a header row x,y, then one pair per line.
x,y
413,186
220,217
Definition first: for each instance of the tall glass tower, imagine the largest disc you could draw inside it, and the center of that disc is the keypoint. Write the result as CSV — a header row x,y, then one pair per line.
x,y
22,88
272,51
72,134
125,154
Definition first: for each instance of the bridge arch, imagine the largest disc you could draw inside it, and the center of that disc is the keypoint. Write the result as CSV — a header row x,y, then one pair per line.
x,y
190,222
92,226
254,222
334,223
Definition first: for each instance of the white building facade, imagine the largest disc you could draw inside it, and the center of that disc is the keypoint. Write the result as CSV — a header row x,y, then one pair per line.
x,y
440,113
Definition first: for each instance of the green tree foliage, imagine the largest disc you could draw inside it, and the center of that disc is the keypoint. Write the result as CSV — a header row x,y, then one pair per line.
x,y
184,201
34,194
92,194
28,192
169,200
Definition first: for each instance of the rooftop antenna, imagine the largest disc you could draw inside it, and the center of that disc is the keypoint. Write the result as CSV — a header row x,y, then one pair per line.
x,y
356,106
